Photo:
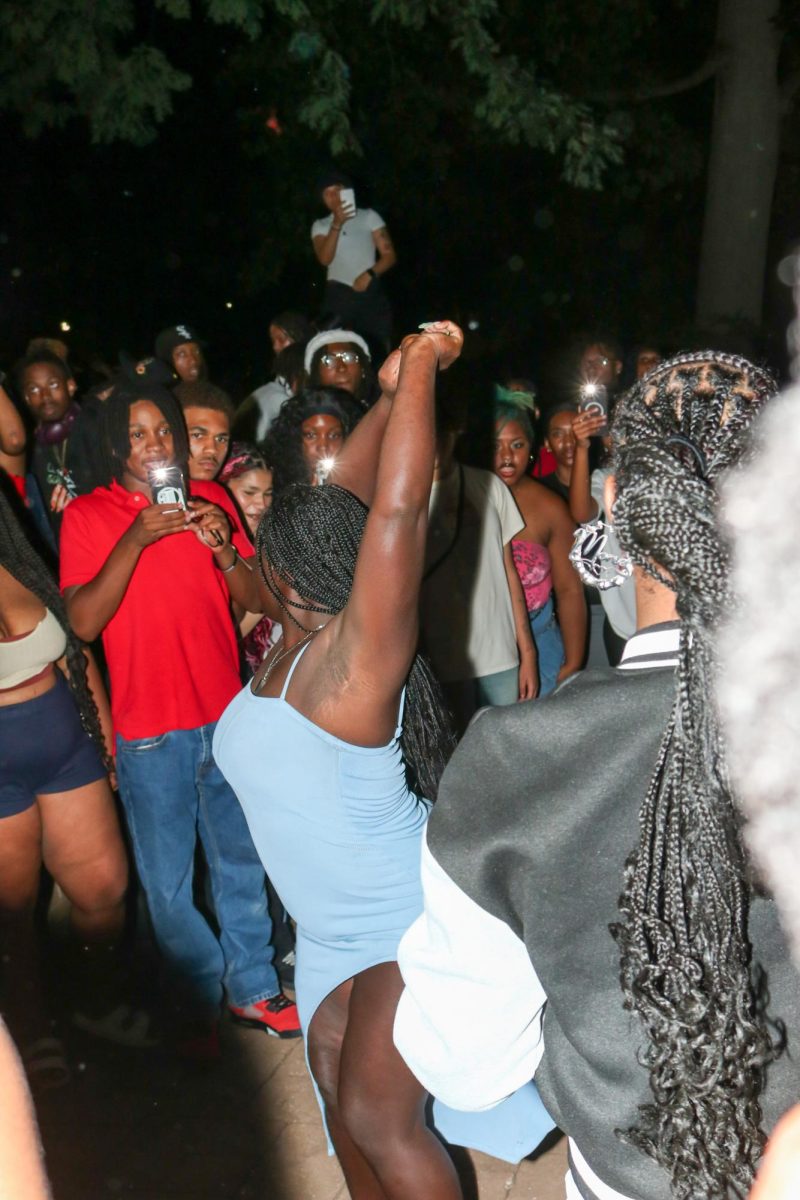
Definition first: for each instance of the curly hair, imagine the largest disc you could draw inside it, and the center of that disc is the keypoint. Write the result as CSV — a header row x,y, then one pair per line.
x,y
283,447
310,539
683,939
19,558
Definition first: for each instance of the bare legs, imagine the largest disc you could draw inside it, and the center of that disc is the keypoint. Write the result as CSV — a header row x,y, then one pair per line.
x,y
76,835
82,849
374,1106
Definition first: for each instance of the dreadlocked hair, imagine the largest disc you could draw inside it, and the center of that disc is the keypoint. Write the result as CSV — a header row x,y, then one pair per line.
x,y
22,562
309,539
683,939
115,439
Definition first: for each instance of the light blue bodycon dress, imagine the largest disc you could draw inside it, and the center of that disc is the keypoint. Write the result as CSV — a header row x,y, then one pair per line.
x,y
339,835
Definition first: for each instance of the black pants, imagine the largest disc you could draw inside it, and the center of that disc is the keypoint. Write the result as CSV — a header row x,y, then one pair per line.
x,y
368,313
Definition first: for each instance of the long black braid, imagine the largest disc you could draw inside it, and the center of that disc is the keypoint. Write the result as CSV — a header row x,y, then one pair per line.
x,y
310,539
684,948
21,561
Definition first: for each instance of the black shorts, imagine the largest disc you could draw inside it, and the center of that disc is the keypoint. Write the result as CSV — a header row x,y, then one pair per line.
x,y
44,749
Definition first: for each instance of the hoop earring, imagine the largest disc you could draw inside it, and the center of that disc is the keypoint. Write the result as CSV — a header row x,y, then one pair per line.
x,y
597,567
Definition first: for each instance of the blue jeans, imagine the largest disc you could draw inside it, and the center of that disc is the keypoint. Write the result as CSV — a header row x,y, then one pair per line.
x,y
171,790
466,696
500,688
549,645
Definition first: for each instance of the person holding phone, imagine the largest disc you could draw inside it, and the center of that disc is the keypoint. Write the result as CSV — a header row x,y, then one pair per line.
x,y
612,612
354,245
157,581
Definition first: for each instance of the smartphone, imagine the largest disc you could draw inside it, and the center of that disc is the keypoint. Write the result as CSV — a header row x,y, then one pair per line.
x,y
594,400
167,486
348,199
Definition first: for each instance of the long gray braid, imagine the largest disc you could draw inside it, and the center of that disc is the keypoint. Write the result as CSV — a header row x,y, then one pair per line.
x,y
683,939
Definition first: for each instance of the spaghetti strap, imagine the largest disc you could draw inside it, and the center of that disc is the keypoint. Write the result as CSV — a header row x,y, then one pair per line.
x,y
290,672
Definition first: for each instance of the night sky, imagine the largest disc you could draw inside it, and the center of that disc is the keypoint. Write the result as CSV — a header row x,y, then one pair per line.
x,y
210,223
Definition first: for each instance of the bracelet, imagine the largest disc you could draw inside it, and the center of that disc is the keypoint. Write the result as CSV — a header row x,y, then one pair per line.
x,y
227,570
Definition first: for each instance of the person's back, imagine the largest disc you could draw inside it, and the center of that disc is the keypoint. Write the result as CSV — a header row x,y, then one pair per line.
x,y
542,825
350,802
598,842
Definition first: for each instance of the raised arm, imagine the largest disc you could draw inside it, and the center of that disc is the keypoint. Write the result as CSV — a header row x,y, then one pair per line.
x,y
326,244
379,626
356,468
581,504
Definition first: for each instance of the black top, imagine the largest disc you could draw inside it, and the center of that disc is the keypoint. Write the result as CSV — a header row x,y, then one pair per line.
x,y
537,812
554,484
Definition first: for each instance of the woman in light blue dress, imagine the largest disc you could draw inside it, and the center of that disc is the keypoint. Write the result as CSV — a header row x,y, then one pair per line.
x,y
320,749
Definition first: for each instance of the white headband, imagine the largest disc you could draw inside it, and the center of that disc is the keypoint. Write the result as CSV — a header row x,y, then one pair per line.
x,y
328,337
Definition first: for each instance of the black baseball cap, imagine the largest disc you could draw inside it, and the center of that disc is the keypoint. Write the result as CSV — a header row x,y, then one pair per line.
x,y
144,370
174,336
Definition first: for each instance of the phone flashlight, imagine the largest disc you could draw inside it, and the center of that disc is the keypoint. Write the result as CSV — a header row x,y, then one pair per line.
x,y
166,484
594,400
324,468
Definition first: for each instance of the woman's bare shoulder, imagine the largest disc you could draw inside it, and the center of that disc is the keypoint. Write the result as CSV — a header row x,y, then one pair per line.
x,y
540,508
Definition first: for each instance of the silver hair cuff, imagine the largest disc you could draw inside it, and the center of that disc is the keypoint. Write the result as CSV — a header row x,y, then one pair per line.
x,y
597,567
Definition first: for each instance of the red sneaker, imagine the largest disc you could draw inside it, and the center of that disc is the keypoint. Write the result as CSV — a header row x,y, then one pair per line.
x,y
277,1016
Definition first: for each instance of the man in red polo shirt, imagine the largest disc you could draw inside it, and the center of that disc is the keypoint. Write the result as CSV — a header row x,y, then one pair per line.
x,y
157,581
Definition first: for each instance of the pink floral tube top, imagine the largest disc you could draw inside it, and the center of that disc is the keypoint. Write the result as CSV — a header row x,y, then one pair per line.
x,y
533,567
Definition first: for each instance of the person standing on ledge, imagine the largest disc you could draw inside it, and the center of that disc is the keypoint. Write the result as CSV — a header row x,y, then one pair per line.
x,y
354,245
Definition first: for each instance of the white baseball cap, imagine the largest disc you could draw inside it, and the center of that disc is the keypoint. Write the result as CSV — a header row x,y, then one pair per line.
x,y
328,337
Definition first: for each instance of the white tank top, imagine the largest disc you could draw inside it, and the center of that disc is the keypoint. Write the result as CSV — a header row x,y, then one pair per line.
x,y
23,658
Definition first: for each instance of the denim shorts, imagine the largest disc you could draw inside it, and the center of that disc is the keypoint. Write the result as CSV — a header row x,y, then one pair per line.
x,y
44,749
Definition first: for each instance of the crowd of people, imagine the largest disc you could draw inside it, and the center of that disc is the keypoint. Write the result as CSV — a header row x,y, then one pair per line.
x,y
267,628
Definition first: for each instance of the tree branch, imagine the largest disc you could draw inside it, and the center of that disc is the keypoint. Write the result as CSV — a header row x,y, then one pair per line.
x,y
661,90
788,91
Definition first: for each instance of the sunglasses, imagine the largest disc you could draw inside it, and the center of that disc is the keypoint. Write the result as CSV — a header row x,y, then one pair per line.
x,y
348,357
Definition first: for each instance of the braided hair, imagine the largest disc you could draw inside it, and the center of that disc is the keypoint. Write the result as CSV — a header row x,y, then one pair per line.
x,y
19,558
683,937
309,539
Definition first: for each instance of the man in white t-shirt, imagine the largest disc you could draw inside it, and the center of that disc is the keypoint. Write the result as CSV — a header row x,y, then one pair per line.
x,y
354,244
473,615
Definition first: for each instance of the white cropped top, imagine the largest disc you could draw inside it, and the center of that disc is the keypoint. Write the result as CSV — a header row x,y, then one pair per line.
x,y
25,657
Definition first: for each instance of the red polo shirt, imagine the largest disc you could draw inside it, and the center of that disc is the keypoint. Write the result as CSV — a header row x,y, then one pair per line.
x,y
171,645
